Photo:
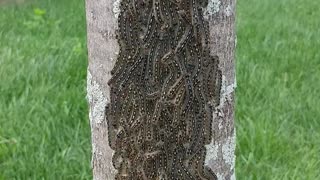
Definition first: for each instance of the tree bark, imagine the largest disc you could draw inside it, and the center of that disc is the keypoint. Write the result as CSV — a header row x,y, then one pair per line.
x,y
103,50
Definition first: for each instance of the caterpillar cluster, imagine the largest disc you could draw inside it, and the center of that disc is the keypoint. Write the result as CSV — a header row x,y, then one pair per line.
x,y
164,87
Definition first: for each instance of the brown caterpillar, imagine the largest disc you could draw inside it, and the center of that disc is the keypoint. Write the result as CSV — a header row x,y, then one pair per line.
x,y
164,88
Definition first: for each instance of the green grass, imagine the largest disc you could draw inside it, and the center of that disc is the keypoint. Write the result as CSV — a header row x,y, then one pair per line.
x,y
278,73
44,127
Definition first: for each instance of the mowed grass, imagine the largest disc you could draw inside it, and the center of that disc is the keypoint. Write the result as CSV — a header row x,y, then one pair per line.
x,y
278,100
44,127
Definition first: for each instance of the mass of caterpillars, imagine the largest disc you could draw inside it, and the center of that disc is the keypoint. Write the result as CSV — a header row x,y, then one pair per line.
x,y
164,88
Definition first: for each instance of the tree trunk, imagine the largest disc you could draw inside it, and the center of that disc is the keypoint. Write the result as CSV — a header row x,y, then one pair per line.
x,y
197,124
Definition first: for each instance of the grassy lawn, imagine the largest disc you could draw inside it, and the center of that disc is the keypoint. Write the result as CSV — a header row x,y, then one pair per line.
x,y
278,100
44,127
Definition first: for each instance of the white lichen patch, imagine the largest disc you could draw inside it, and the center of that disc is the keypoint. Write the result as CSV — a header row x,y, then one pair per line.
x,y
212,152
228,11
226,95
226,91
228,150
228,146
212,8
228,153
233,177
96,100
220,176
116,8
97,103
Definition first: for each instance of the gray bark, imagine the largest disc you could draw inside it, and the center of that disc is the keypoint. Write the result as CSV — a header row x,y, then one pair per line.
x,y
102,51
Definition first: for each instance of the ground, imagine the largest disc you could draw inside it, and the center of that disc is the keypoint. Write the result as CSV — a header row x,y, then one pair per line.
x,y
44,127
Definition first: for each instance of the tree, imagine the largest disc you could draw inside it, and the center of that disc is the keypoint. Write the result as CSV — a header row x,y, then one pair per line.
x,y
161,82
